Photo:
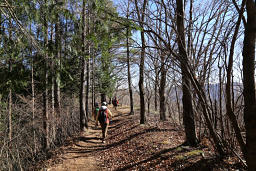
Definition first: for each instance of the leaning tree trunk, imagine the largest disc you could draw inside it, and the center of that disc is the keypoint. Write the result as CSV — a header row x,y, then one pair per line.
x,y
188,114
249,84
230,112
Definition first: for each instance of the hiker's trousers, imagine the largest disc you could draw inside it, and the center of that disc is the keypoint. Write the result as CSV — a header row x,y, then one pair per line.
x,y
104,128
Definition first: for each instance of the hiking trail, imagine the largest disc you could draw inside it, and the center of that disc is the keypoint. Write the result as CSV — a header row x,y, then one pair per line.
x,y
129,145
80,154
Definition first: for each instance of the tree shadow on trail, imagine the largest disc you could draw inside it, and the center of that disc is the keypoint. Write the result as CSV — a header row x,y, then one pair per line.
x,y
180,162
118,122
117,125
129,138
114,121
158,155
88,149
127,130
88,139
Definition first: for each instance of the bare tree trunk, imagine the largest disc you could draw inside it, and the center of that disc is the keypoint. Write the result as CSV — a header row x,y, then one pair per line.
x,y
178,104
52,76
87,67
230,112
93,80
188,115
141,16
156,88
33,102
141,81
10,107
57,65
83,117
183,59
128,64
147,95
249,84
92,65
87,86
163,71
46,143
10,92
220,104
33,92
189,45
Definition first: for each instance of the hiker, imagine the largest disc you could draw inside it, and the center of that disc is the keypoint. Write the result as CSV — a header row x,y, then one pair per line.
x,y
96,110
115,102
103,117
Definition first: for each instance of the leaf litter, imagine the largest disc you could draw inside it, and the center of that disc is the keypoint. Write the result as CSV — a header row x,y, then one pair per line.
x,y
156,145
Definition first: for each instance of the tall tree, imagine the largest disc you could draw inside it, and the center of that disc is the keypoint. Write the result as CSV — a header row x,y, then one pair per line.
x,y
230,112
10,94
141,18
128,30
249,84
57,60
156,83
188,114
163,71
10,104
88,48
83,117
46,143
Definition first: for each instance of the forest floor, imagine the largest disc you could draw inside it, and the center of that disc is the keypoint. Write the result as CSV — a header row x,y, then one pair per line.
x,y
131,146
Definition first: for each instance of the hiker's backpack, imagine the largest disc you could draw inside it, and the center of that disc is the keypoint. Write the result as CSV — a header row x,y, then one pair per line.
x,y
103,115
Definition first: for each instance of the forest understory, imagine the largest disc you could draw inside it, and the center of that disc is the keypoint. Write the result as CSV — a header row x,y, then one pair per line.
x,y
156,145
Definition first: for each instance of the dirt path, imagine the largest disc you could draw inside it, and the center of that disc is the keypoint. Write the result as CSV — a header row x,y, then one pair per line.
x,y
80,155
156,145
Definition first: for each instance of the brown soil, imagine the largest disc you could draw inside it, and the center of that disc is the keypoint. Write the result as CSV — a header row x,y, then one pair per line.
x,y
131,146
